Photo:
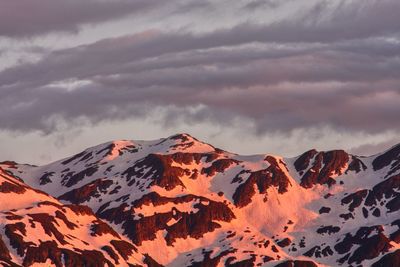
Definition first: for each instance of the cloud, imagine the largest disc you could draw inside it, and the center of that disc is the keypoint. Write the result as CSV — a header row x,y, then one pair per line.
x,y
335,65
260,4
27,18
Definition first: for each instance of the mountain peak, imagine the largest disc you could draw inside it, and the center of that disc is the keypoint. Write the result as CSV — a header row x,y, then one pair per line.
x,y
184,142
177,201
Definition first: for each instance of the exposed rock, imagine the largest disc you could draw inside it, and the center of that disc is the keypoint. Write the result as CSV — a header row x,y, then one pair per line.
x,y
368,247
355,199
244,263
159,169
325,165
99,228
263,179
356,165
318,252
192,197
324,210
297,263
388,189
4,252
45,178
84,193
9,187
71,178
151,262
389,260
302,162
284,242
387,158
219,166
197,224
328,229
124,248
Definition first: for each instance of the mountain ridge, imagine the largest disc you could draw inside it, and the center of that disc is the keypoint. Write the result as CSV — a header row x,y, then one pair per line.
x,y
177,201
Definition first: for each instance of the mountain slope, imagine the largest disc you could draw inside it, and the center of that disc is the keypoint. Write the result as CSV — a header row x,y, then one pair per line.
x,y
36,229
181,202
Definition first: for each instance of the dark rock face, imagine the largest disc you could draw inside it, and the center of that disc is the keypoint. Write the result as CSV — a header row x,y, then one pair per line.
x,y
392,156
369,247
49,250
328,229
325,165
99,228
155,199
46,178
186,198
243,263
297,263
324,210
212,262
16,239
110,251
284,242
263,179
389,260
161,172
80,209
319,252
71,178
197,224
86,192
150,262
49,225
124,248
4,252
388,189
73,158
302,163
219,166
355,199
187,224
395,236
10,187
356,165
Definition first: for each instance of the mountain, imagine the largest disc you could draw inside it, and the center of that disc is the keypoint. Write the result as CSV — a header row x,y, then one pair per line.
x,y
178,201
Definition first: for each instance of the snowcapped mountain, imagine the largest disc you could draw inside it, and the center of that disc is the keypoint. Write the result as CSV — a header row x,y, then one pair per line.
x,y
180,202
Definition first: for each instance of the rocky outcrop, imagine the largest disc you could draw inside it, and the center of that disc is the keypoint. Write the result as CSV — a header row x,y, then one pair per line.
x,y
297,263
370,242
392,156
181,202
389,260
325,165
355,199
262,180
86,192
72,178
388,189
158,169
194,224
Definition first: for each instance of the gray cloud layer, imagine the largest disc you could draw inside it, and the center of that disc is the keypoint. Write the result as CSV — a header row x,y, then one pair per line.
x,y
335,65
27,18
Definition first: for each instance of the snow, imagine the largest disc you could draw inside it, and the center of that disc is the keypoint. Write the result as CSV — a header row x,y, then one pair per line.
x,y
265,218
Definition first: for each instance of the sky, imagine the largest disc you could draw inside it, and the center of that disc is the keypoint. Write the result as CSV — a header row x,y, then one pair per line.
x,y
248,76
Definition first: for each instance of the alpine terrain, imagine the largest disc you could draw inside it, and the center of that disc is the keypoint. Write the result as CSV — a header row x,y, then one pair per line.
x,y
178,201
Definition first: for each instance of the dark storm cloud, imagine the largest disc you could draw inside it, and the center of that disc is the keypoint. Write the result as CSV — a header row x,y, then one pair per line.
x,y
27,18
335,66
